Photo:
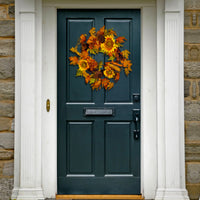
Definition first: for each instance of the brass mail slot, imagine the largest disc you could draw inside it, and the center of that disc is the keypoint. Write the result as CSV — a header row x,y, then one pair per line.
x,y
98,111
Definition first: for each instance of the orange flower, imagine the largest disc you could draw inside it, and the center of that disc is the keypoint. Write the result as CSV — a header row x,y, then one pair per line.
x,y
109,45
83,65
108,72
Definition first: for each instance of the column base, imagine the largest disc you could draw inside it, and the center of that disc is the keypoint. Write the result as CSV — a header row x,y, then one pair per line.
x,y
27,194
171,194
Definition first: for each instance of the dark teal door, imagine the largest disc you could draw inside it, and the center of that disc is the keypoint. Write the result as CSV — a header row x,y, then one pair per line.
x,y
98,131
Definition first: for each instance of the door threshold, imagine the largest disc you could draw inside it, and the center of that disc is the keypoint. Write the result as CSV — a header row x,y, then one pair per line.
x,y
136,197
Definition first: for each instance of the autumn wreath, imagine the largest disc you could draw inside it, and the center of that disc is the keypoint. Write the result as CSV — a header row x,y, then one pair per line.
x,y
100,75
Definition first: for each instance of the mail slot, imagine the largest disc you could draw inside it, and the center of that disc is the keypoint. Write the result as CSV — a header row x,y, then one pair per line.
x,y
98,111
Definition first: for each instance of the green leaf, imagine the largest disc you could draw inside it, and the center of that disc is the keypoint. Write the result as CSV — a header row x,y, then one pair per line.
x,y
112,58
79,72
92,80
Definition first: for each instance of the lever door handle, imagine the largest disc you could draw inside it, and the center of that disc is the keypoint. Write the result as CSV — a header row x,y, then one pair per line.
x,y
136,119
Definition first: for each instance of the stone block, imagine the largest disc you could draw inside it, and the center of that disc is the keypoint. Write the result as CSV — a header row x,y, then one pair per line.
x,y
192,4
8,169
6,154
7,68
192,36
3,12
193,172
192,52
192,69
4,124
7,89
6,109
199,87
7,140
192,110
11,11
7,47
6,186
7,28
192,152
187,88
193,131
194,191
187,19
6,1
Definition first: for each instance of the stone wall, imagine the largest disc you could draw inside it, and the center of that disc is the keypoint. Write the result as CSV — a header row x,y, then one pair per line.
x,y
192,97
7,60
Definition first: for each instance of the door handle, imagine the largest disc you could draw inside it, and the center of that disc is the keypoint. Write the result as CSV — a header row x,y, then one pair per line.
x,y
136,119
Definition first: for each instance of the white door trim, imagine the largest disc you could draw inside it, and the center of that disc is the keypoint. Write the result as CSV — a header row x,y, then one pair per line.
x,y
161,96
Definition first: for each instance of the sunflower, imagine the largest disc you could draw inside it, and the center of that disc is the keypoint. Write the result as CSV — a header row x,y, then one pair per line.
x,y
108,72
83,65
109,44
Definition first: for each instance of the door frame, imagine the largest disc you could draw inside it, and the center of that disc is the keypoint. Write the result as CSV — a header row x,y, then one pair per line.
x,y
162,108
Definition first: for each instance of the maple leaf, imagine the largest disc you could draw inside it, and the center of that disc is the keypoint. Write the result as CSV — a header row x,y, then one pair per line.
x,y
127,71
120,40
110,85
75,50
73,60
105,83
117,76
87,79
97,84
83,38
125,53
126,63
84,54
101,31
92,31
112,32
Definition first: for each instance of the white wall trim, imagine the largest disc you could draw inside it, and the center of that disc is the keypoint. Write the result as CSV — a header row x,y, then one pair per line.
x,y
40,154
171,156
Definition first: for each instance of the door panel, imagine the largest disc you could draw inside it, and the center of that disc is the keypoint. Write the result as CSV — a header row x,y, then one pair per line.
x,y
98,153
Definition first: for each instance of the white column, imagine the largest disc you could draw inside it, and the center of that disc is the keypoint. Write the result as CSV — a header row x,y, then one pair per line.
x,y
27,183
172,185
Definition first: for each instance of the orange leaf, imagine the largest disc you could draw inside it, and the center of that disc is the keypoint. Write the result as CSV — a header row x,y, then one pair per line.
x,y
97,84
92,31
114,67
112,32
120,40
73,60
82,38
84,54
101,30
117,76
110,85
126,63
87,79
125,53
105,83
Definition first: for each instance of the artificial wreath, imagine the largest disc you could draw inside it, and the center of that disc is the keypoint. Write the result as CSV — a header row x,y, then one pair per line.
x,y
100,75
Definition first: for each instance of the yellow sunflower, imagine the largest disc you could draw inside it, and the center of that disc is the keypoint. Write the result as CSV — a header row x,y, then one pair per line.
x,y
108,72
109,45
83,65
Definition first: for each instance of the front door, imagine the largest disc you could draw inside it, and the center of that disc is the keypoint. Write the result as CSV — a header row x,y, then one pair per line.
x,y
98,131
